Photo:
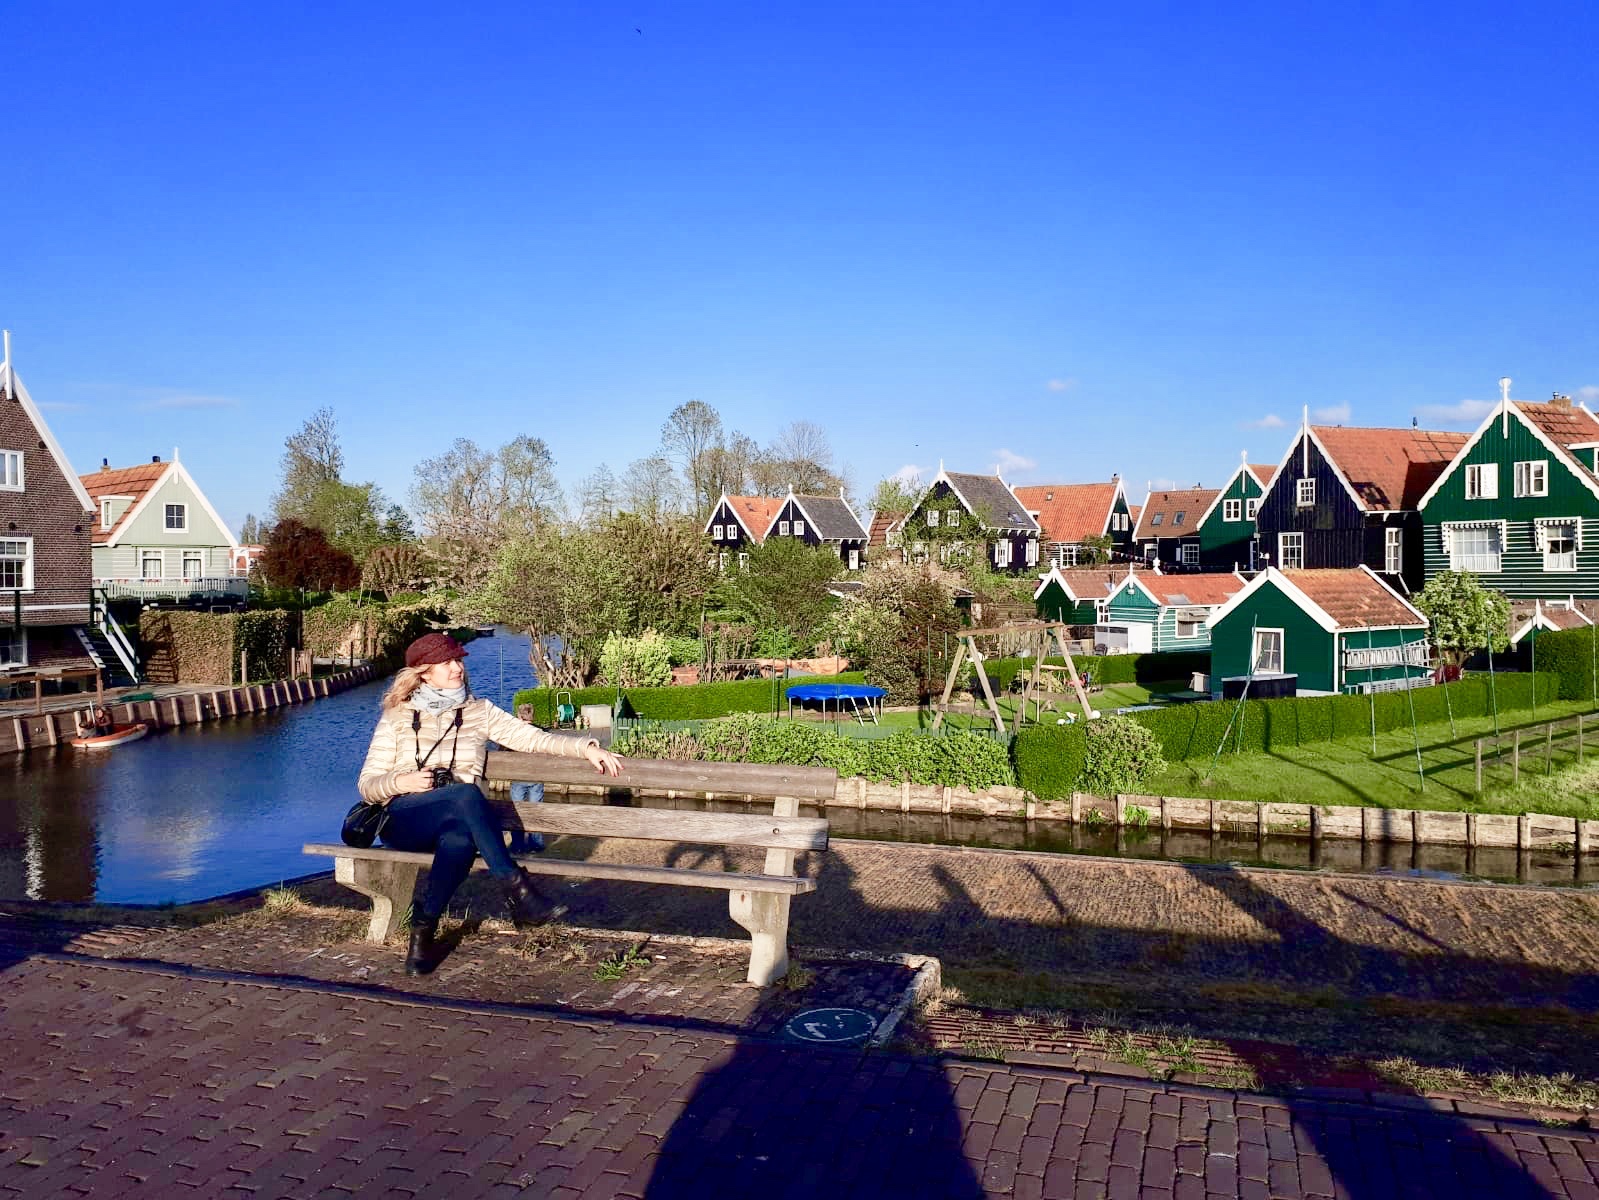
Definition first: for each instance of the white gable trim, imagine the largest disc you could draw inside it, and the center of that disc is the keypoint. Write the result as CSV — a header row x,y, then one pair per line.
x,y
732,508
1559,452
1243,469
149,498
716,508
1304,432
1271,575
1119,493
12,382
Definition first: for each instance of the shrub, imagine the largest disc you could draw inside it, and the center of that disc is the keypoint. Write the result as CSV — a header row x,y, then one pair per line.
x,y
1122,755
1049,759
643,661
1568,654
685,651
700,701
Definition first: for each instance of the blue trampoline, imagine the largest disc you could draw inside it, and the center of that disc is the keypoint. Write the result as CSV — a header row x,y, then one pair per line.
x,y
838,693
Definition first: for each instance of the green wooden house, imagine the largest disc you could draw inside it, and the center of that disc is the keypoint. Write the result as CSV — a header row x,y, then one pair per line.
x,y
1076,595
1152,612
1227,536
1519,504
1336,630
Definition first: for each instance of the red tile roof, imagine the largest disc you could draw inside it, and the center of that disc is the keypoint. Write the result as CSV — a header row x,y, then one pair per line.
x,y
1354,598
1190,502
121,481
1390,469
1092,583
1262,471
882,523
1563,424
1069,512
757,513
1208,588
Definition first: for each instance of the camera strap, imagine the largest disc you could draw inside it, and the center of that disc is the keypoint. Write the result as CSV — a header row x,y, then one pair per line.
x,y
416,736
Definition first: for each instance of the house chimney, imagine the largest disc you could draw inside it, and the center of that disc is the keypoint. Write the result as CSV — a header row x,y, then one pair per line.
x,y
1559,400
105,464
155,458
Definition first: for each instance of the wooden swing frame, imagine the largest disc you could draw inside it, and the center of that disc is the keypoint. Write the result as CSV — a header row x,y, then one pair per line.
x,y
1039,635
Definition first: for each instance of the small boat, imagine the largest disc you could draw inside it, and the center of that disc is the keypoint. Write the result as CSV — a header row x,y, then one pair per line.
x,y
117,735
485,631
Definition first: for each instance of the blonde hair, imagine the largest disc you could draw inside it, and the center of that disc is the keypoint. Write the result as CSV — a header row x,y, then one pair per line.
x,y
406,681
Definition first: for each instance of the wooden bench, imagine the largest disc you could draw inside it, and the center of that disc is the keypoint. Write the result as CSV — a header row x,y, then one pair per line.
x,y
757,902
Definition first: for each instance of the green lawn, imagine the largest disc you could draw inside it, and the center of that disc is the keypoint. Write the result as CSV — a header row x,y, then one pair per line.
x,y
1347,772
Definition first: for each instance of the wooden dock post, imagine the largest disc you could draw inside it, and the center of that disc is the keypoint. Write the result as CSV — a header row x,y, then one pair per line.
x,y
1478,748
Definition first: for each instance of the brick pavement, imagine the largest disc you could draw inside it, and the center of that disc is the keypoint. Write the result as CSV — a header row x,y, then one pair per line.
x,y
133,1080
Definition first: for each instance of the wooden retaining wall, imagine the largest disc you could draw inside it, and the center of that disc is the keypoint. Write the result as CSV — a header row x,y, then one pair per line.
x,y
28,732
1531,831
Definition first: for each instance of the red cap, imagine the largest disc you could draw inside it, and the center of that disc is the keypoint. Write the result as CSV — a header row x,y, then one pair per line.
x,y
433,648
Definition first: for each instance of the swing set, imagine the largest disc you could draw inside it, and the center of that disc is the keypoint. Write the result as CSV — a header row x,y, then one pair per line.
x,y
1043,682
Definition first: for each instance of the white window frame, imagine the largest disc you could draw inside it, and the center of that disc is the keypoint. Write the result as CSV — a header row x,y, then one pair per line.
x,y
1531,477
183,515
1156,519
782,528
1232,510
1486,563
716,532
13,471
1482,481
193,556
1002,552
721,560
1149,551
1256,652
1393,551
1283,543
1251,508
1177,517
1188,554
1032,552
1304,493
1195,628
952,519
743,560
932,518
1544,528
145,556
27,562
854,558
15,637
799,528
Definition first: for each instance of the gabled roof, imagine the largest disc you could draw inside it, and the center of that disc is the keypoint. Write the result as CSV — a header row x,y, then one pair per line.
x,y
1199,590
754,513
1558,426
1082,583
1337,599
830,516
1386,470
11,385
1525,616
1261,475
1070,512
880,526
1193,503
130,483
989,499
140,483
1134,512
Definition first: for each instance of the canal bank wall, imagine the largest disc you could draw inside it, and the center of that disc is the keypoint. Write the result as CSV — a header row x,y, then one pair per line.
x,y
22,732
1525,832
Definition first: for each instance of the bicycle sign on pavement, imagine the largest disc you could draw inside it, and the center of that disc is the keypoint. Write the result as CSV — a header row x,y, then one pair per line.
x,y
831,1026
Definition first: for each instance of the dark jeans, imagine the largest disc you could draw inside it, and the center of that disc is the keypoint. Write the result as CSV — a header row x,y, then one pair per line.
x,y
456,824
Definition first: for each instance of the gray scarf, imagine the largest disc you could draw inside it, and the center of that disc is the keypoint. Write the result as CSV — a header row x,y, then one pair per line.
x,y
434,701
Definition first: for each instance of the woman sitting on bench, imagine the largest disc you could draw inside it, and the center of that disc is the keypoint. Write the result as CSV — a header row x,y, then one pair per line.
x,y
424,763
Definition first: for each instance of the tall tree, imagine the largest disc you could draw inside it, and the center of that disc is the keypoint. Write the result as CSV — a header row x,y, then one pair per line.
x,y
249,531
394,567
597,496
895,495
312,457
349,514
692,438
1463,616
298,555
470,502
783,587
650,487
805,452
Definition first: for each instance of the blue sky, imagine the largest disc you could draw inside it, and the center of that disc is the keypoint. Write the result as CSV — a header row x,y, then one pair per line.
x,y
1070,238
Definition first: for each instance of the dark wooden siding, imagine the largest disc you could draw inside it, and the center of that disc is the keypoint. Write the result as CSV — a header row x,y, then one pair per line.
x,y
1334,527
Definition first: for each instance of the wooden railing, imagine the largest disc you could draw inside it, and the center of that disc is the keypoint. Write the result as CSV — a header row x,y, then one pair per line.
x,y
1529,742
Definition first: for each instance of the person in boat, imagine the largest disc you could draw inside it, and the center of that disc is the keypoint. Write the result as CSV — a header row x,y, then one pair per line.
x,y
424,763
100,720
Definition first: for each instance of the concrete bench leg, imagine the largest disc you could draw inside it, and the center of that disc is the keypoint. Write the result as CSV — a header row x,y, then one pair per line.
x,y
389,884
765,915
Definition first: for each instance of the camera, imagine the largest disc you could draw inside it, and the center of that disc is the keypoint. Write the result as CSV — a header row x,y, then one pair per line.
x,y
441,777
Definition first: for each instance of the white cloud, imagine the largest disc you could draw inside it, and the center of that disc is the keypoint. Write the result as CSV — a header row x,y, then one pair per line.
x,y
910,475
1334,414
1467,412
1008,463
1061,385
184,400
1269,421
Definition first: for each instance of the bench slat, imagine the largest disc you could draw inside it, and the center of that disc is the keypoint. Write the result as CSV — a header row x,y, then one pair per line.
x,y
667,825
727,881
813,784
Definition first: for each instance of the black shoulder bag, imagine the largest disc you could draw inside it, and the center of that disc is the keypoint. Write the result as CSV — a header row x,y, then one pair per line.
x,y
365,821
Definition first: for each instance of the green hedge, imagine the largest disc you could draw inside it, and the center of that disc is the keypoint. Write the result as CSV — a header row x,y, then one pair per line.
x,y
1049,758
1108,669
1568,653
954,758
192,647
694,701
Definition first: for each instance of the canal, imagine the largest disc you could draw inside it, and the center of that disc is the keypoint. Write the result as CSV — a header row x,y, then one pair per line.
x,y
203,810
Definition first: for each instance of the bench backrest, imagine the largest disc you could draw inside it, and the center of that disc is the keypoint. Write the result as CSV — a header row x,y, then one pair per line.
x,y
667,825
762,780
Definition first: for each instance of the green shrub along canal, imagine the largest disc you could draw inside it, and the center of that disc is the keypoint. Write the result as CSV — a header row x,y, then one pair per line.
x,y
204,810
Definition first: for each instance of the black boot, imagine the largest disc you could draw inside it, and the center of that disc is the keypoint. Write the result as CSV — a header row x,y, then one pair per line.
x,y
419,957
529,906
